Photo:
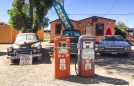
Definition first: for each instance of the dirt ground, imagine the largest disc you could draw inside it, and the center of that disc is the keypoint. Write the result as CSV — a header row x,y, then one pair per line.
x,y
110,70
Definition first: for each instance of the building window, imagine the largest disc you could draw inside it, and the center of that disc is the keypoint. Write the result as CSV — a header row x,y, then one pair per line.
x,y
109,21
94,19
99,20
99,29
79,24
57,28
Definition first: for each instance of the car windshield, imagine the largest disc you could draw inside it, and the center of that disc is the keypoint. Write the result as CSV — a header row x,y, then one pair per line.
x,y
70,33
112,38
26,37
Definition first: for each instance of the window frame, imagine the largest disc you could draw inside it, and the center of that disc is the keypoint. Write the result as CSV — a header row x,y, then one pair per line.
x,y
100,30
58,29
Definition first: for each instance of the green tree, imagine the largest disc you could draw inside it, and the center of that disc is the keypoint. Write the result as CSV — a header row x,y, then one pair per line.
x,y
121,25
120,29
30,14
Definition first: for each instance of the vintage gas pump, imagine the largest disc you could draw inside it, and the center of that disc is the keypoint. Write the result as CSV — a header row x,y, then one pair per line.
x,y
62,57
84,63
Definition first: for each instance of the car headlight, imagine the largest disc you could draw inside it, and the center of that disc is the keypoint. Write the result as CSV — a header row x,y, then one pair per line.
x,y
127,48
9,49
38,47
102,48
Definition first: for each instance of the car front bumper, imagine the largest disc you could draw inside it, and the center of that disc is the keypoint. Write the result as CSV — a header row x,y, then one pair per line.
x,y
18,56
114,51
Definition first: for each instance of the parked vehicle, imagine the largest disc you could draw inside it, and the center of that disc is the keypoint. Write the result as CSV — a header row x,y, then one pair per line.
x,y
69,30
113,44
73,36
130,36
27,44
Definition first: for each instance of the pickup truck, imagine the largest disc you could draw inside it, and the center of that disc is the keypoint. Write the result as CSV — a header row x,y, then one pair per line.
x,y
74,36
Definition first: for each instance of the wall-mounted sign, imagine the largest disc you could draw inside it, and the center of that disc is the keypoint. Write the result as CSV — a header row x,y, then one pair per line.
x,y
88,30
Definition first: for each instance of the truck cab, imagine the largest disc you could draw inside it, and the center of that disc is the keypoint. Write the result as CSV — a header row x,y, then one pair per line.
x,y
74,36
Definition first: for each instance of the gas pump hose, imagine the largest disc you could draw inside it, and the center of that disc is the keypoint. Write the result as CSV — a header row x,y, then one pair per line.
x,y
76,58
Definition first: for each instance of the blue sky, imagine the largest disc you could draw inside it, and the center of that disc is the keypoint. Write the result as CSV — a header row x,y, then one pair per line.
x,y
89,7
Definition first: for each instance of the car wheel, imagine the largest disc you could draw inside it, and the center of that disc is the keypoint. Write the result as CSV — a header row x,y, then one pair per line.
x,y
39,58
11,60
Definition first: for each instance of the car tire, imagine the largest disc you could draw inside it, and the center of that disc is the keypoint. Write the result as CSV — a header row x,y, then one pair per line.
x,y
11,60
39,58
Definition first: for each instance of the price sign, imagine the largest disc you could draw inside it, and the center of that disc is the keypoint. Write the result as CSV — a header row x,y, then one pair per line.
x,y
25,59
87,66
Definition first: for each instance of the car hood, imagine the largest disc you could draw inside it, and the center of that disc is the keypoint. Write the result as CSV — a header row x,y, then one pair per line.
x,y
26,44
114,43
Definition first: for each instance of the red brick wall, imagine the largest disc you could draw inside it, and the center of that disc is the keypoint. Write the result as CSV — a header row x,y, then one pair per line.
x,y
52,25
84,23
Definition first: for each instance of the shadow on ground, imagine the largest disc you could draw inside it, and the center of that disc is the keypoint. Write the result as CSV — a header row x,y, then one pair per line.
x,y
3,53
46,58
96,80
120,63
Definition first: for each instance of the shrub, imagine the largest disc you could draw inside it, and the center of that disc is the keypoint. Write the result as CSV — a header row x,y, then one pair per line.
x,y
120,32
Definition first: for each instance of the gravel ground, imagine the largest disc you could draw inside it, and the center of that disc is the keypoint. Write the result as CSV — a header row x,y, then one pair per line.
x,y
110,70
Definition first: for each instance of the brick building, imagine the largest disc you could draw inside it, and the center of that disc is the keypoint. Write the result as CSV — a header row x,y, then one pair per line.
x,y
97,26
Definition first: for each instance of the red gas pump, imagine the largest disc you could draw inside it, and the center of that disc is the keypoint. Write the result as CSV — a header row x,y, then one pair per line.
x,y
62,57
84,63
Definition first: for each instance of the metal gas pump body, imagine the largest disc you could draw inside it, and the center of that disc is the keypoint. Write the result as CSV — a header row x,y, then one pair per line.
x,y
86,56
62,57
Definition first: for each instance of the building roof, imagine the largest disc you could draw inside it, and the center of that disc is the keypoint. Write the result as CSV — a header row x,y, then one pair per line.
x,y
98,17
4,23
87,18
58,19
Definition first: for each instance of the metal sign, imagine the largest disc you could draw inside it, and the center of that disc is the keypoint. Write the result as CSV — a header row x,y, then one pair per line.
x,y
25,59
88,30
87,66
88,54
62,64
63,16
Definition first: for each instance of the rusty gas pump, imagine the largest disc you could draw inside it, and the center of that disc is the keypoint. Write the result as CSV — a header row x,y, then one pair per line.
x,y
62,57
85,61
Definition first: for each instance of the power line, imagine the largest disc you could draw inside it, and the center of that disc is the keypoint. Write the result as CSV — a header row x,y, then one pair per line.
x,y
3,14
112,7
3,10
128,14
